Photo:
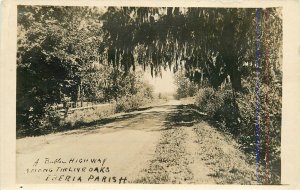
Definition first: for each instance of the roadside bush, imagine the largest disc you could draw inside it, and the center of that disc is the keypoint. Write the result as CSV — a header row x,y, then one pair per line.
x,y
37,124
238,116
163,96
185,87
209,101
272,110
52,121
130,102
141,95
229,114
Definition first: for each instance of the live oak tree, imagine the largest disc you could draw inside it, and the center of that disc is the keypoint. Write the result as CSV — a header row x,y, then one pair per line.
x,y
213,43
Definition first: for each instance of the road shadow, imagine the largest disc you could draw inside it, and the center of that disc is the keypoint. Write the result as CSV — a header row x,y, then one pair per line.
x,y
90,126
169,116
136,120
142,109
183,116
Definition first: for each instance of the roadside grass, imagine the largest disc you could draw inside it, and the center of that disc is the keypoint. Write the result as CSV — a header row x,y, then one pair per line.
x,y
222,154
89,115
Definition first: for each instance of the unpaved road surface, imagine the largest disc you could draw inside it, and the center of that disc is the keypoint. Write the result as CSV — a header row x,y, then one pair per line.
x,y
169,143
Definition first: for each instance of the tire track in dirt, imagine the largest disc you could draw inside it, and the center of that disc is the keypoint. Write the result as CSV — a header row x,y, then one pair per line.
x,y
171,162
201,173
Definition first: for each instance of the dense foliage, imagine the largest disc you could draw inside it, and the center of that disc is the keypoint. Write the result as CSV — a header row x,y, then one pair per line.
x,y
185,87
210,43
61,58
237,115
49,58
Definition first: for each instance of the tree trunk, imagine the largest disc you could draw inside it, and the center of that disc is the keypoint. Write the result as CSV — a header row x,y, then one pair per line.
x,y
236,82
233,72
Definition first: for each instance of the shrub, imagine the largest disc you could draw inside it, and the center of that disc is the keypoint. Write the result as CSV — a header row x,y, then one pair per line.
x,y
247,108
209,101
130,102
142,94
185,87
163,96
53,121
238,116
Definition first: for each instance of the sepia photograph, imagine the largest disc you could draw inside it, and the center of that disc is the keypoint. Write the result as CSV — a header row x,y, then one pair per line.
x,y
148,95
141,95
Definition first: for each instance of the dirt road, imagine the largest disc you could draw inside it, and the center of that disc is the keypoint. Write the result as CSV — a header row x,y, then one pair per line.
x,y
169,143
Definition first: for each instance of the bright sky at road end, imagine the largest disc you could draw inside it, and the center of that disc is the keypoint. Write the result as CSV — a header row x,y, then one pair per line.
x,y
164,84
